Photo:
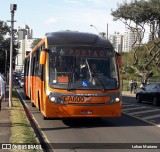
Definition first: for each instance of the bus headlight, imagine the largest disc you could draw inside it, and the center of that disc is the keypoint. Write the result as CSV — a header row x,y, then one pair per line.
x,y
117,99
114,100
55,99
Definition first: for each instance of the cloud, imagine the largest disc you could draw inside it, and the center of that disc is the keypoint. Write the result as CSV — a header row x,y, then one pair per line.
x,y
51,21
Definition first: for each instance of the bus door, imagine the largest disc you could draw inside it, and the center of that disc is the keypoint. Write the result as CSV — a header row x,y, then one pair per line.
x,y
32,78
36,79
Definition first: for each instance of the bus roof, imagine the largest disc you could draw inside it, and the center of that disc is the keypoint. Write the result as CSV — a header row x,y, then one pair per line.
x,y
77,38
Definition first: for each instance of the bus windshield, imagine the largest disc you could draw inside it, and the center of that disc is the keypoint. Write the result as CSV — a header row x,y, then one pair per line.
x,y
82,68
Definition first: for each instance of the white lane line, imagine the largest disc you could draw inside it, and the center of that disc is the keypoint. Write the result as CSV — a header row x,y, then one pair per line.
x,y
158,125
127,105
146,111
151,117
133,108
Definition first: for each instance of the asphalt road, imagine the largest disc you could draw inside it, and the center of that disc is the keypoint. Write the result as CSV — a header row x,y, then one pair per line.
x,y
96,135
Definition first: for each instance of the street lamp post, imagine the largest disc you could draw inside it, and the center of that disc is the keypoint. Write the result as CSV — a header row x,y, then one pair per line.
x,y
95,28
101,34
107,32
13,8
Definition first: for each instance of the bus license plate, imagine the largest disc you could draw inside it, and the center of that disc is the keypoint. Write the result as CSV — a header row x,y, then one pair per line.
x,y
86,112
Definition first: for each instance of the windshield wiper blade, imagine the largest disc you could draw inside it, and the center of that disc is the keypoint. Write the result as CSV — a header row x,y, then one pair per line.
x,y
69,82
99,80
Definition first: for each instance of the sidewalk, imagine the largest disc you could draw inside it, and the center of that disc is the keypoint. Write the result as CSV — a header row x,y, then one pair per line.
x,y
127,93
5,123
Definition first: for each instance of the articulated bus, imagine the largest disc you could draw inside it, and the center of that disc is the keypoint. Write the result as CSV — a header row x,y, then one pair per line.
x,y
73,74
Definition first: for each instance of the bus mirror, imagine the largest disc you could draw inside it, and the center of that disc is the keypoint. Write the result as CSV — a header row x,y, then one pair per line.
x,y
43,57
119,59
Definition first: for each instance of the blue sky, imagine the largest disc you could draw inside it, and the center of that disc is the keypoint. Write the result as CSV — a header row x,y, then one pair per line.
x,y
55,15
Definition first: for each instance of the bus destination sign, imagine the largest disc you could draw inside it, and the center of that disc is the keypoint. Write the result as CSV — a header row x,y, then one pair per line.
x,y
93,52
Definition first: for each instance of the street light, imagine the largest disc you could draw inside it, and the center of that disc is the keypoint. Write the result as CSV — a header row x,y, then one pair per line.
x,y
101,34
13,8
95,29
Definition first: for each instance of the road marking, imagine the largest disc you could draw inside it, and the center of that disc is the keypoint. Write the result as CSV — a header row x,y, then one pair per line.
x,y
142,119
133,108
127,105
146,111
151,117
137,114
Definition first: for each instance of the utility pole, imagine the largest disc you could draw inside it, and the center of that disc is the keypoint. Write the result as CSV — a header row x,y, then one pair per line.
x,y
107,32
13,8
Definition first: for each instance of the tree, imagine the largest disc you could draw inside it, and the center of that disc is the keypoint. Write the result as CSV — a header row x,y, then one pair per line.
x,y
5,46
135,16
35,42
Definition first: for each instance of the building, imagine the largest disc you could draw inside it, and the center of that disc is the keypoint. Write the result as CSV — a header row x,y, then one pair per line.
x,y
117,41
130,39
25,48
25,40
25,33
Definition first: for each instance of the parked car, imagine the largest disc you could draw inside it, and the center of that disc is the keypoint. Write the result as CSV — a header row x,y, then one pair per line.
x,y
21,82
150,92
18,76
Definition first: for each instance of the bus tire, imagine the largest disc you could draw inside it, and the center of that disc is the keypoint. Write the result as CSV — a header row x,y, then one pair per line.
x,y
33,104
26,97
45,118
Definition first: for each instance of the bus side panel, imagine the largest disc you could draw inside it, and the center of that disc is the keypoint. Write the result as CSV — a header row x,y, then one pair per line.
x,y
32,89
39,94
26,86
37,85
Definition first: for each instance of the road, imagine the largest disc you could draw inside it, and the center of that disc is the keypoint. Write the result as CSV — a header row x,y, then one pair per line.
x,y
94,135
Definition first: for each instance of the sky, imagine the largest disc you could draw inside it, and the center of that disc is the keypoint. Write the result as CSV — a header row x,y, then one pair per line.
x,y
45,16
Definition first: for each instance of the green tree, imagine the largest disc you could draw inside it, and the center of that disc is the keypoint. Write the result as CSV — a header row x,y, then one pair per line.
x,y
135,16
35,42
5,46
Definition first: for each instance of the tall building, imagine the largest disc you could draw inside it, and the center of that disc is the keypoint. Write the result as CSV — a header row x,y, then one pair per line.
x,y
130,39
117,41
25,33
25,40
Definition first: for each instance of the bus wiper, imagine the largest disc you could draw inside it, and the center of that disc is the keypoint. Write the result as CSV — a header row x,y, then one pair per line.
x,y
69,82
99,80
70,75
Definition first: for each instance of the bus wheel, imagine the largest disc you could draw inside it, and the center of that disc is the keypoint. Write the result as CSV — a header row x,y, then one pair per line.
x,y
33,104
45,118
26,97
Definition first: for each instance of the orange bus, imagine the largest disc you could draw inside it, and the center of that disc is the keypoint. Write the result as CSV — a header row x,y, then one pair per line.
x,y
73,74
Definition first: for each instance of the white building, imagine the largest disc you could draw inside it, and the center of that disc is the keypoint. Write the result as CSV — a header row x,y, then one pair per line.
x,y
130,39
25,40
25,48
117,41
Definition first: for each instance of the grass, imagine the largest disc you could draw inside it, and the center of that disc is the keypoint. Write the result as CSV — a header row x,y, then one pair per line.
x,y
21,130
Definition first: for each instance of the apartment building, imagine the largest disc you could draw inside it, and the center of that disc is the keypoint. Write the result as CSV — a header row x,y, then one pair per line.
x,y
130,39
25,40
117,41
